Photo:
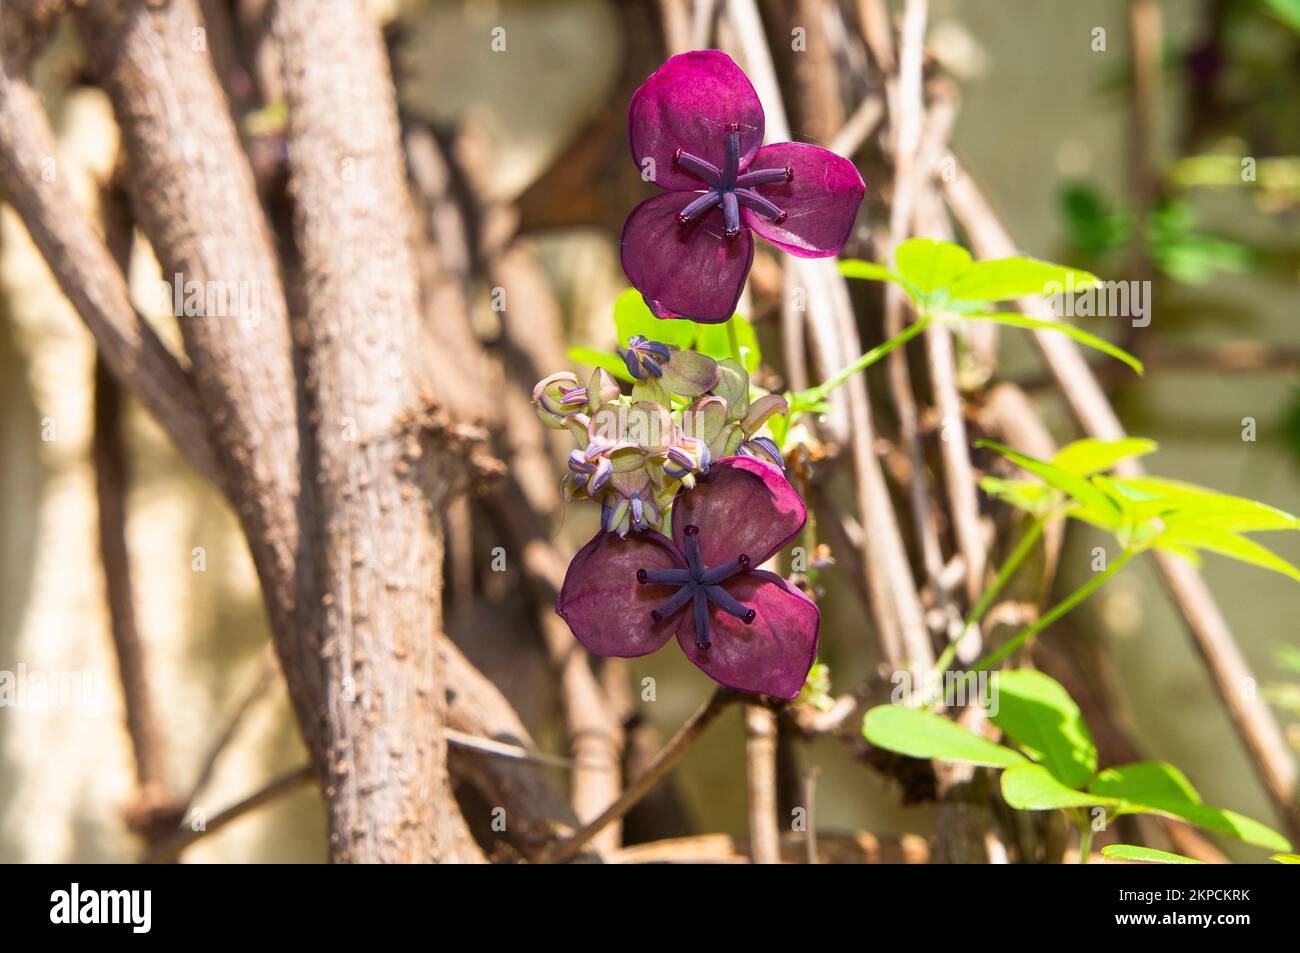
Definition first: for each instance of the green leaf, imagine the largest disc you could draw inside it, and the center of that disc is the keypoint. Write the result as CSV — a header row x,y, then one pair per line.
x,y
1028,495
1288,11
1069,330
1288,656
1088,456
1093,226
593,358
1004,278
1037,713
1153,787
1148,854
1076,487
867,270
930,265
1190,256
1286,858
1225,543
713,340
921,734
1145,782
632,316
1032,787
1192,503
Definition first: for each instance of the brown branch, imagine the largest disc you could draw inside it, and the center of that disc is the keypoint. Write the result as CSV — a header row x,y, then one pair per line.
x,y
89,277
193,195
386,781
87,274
833,847
537,811
153,811
170,849
760,757
641,786
256,689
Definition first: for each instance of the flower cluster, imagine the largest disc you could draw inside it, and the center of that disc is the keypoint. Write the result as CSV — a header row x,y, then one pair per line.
x,y
683,454
633,453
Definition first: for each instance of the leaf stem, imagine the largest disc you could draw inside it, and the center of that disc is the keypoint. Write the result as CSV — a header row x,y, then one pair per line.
x,y
870,357
1085,842
1012,563
1058,610
734,338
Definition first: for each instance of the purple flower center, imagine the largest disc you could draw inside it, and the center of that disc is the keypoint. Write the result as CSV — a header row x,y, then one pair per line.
x,y
729,188
699,585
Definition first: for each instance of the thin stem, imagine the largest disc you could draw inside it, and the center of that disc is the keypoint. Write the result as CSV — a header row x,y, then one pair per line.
x,y
872,356
1058,610
1018,556
760,759
170,848
1085,842
642,785
734,338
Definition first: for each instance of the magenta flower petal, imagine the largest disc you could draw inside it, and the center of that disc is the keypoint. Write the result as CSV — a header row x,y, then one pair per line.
x,y
687,104
684,271
604,605
769,656
820,202
742,506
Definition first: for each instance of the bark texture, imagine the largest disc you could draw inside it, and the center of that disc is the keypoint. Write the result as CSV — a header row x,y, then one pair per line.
x,y
380,557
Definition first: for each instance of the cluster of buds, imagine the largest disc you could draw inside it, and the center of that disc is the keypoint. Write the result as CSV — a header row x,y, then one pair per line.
x,y
634,452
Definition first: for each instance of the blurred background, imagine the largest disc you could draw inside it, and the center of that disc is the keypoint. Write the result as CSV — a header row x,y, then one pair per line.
x,y
536,133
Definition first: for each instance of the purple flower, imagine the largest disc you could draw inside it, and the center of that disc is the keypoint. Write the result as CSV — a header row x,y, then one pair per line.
x,y
744,627
696,127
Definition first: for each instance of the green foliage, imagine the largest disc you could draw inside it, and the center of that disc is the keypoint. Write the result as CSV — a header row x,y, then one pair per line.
x,y
946,284
1056,767
1093,227
1143,512
1172,242
632,316
1146,854
1070,331
1189,256
1288,11
715,341
1034,788
1286,858
921,734
1038,714
1090,456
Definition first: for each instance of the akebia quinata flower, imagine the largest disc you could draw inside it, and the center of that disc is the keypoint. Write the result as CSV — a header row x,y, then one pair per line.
x,y
696,130
746,628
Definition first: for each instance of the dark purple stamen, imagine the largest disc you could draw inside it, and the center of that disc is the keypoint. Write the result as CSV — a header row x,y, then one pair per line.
x,y
644,358
698,585
702,169
571,396
729,189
